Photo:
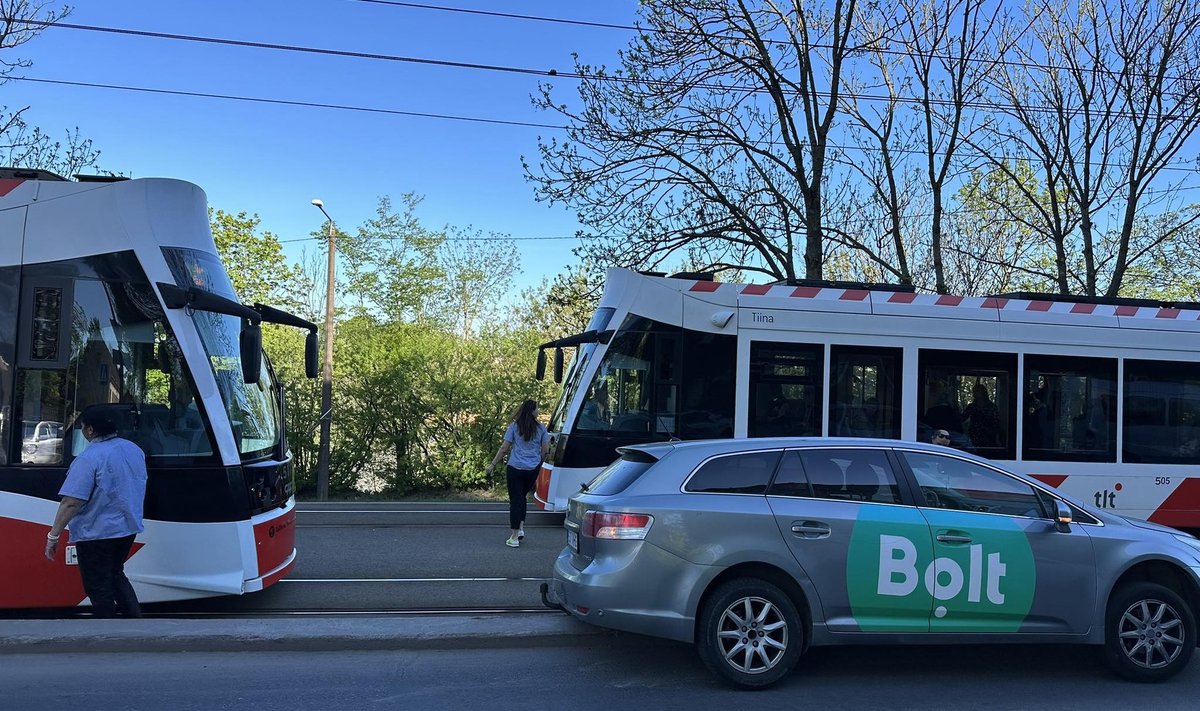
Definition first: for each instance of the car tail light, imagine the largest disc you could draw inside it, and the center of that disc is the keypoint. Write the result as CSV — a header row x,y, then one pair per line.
x,y
616,526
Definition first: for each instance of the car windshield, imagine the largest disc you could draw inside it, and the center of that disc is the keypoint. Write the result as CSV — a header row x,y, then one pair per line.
x,y
252,408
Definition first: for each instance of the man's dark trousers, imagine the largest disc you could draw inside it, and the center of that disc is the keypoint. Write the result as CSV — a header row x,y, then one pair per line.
x,y
102,567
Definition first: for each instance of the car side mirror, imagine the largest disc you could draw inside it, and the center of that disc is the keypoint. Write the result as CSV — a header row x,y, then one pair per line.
x,y
540,370
1062,516
558,365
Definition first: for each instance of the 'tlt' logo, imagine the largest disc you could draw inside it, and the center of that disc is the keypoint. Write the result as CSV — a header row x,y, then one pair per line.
x,y
1107,499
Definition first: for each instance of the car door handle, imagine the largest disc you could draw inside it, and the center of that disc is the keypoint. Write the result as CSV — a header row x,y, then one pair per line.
x,y
950,538
811,529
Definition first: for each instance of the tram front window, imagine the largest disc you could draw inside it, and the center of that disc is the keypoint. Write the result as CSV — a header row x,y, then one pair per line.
x,y
252,408
114,348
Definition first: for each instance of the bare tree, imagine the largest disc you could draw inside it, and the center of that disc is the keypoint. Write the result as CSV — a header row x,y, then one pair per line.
x,y
21,21
1112,109
21,144
712,139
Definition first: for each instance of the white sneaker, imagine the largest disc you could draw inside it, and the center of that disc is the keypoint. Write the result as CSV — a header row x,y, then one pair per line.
x,y
520,534
512,543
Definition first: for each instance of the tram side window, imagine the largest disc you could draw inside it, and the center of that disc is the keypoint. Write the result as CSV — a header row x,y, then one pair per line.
x,y
9,280
786,390
707,398
118,351
971,395
864,398
1070,409
1162,412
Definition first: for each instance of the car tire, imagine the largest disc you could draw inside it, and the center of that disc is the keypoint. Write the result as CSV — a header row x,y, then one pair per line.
x,y
1149,632
750,633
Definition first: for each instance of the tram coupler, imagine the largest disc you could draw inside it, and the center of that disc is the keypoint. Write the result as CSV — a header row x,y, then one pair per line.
x,y
553,605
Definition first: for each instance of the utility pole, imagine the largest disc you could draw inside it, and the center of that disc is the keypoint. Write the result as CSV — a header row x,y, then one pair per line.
x,y
327,372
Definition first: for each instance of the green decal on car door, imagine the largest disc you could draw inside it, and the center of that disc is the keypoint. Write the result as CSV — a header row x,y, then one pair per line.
x,y
969,573
886,542
986,574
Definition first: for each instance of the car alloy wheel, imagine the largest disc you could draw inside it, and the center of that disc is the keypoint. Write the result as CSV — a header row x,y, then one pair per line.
x,y
749,632
1149,632
753,635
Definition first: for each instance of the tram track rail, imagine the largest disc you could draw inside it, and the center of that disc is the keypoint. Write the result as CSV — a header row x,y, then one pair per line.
x,y
348,612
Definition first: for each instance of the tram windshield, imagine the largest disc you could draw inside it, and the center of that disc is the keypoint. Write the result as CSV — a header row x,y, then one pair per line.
x,y
253,410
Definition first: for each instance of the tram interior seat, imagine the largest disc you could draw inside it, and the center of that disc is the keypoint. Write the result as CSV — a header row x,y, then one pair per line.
x,y
631,422
159,432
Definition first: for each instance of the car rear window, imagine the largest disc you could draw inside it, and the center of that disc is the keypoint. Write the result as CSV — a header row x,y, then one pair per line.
x,y
617,477
735,474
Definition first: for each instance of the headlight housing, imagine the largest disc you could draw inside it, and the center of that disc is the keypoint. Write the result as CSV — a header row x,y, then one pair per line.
x,y
1191,542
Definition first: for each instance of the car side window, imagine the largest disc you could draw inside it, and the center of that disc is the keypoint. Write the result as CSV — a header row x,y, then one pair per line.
x,y
735,474
1050,505
790,480
961,485
862,475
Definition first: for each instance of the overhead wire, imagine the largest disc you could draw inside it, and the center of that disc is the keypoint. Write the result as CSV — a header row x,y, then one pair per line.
x,y
419,60
548,73
454,117
990,61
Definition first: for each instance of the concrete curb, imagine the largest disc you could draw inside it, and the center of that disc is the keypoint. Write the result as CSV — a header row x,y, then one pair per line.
x,y
322,634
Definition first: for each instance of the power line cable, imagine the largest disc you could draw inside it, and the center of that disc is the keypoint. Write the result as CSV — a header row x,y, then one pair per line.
x,y
715,87
288,102
989,61
469,119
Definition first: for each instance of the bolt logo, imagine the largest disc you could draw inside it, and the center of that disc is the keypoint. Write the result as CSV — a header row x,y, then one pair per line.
x,y
900,579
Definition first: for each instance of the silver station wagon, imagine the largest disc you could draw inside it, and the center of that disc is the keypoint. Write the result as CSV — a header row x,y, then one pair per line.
x,y
756,549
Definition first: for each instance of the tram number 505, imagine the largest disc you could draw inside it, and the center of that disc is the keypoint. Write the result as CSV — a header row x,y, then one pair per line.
x,y
1162,480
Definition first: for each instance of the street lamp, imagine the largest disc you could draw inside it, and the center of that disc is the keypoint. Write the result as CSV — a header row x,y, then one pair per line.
x,y
327,372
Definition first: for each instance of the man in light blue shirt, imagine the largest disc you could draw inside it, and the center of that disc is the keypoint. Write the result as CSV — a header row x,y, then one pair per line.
x,y
102,501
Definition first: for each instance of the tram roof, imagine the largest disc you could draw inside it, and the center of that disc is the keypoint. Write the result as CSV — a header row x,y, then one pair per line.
x,y
894,300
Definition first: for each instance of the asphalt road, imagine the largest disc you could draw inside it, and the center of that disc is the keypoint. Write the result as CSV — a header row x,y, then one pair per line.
x,y
625,672
353,557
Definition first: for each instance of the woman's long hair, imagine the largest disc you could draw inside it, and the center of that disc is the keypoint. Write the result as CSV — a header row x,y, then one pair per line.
x,y
526,422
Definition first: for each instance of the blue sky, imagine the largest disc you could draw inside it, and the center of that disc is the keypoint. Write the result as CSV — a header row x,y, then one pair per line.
x,y
273,160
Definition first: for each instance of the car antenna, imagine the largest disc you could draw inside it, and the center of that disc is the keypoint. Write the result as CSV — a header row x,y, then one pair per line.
x,y
670,435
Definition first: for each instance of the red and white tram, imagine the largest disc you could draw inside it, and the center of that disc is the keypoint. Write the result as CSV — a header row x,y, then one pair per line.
x,y
1098,397
112,293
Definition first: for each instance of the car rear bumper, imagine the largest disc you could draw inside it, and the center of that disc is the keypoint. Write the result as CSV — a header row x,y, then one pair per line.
x,y
647,597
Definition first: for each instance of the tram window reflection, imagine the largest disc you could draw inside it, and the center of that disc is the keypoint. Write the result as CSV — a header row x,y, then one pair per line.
x,y
1070,409
971,395
120,352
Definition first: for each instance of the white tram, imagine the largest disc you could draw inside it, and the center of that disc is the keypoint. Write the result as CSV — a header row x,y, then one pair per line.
x,y
1099,397
112,295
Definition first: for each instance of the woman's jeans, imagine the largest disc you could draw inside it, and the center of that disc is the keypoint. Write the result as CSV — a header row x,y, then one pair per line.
x,y
520,483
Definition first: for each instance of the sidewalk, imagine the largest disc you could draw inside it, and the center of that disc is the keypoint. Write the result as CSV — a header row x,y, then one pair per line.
x,y
297,634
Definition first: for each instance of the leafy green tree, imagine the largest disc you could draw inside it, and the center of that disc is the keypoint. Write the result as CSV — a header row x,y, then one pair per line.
x,y
391,262
256,264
